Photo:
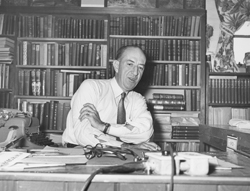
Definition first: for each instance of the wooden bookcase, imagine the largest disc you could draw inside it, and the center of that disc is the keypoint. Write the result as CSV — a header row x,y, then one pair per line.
x,y
168,37
228,97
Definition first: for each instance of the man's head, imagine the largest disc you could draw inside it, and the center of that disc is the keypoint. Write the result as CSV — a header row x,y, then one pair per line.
x,y
129,66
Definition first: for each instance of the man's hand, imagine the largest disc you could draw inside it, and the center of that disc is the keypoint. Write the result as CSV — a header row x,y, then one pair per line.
x,y
89,112
151,146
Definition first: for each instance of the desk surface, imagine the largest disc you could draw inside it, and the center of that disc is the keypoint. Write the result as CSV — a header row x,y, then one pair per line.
x,y
73,177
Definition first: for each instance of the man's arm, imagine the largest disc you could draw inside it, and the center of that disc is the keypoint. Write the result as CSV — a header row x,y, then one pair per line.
x,y
80,131
139,124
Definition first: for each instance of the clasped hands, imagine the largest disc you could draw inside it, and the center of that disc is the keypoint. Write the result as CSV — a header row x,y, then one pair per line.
x,y
90,113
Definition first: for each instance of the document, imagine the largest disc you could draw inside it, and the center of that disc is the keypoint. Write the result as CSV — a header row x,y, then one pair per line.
x,y
8,159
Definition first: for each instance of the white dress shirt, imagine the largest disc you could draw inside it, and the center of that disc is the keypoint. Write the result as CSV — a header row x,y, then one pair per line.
x,y
105,95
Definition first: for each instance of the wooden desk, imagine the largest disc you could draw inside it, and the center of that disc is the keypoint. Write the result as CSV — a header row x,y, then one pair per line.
x,y
71,178
216,137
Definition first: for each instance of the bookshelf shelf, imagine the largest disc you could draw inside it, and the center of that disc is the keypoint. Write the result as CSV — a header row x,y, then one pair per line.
x,y
154,37
62,39
174,87
229,105
53,131
179,112
174,62
168,62
181,140
83,68
43,97
5,90
228,74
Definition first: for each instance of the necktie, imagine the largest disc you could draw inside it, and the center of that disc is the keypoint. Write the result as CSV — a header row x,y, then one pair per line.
x,y
121,113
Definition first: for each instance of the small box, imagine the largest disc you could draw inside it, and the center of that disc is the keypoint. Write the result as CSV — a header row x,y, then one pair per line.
x,y
92,3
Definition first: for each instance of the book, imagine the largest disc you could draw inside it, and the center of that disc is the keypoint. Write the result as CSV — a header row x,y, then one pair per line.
x,y
166,101
51,114
59,124
27,82
33,82
55,115
168,96
47,82
168,107
66,109
46,116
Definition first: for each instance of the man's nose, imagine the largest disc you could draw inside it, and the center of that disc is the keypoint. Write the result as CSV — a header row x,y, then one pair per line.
x,y
135,70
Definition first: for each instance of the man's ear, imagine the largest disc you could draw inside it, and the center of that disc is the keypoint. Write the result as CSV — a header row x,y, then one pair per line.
x,y
116,65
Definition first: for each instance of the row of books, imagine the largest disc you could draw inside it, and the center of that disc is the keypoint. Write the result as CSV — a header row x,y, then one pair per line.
x,y
61,26
62,54
222,115
231,90
160,49
188,146
185,132
4,76
176,75
5,98
170,102
52,114
191,98
7,24
178,132
155,25
49,82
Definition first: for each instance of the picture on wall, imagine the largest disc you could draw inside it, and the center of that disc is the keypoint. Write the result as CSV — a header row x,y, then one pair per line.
x,y
132,3
170,4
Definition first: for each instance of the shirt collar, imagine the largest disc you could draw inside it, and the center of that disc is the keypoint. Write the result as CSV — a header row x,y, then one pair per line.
x,y
116,88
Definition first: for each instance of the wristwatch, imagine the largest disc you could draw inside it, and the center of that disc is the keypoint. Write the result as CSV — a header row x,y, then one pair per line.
x,y
106,127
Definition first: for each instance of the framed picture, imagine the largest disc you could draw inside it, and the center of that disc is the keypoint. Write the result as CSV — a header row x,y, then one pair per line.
x,y
132,3
194,4
170,4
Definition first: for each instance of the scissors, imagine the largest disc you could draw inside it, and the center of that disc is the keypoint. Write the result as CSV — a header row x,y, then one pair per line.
x,y
99,150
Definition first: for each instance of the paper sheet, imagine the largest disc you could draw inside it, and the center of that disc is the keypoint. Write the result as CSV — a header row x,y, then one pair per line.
x,y
7,159
221,164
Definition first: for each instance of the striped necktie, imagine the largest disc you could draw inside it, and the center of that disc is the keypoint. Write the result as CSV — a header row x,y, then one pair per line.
x,y
121,113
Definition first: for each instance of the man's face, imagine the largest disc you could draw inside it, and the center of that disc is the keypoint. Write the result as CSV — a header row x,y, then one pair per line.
x,y
131,68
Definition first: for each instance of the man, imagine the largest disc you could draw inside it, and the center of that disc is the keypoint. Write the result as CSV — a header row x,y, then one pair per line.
x,y
93,115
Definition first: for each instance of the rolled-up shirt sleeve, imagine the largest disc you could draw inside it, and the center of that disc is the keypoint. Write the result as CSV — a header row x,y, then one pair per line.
x,y
80,132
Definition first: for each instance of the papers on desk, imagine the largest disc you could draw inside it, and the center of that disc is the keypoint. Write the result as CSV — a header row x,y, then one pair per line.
x,y
8,159
41,158
219,164
60,159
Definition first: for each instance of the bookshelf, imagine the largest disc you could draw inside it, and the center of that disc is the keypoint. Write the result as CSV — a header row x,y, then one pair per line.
x,y
173,40
228,97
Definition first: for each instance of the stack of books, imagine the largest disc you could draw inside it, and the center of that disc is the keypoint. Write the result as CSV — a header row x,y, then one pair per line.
x,y
162,129
6,49
185,126
167,102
